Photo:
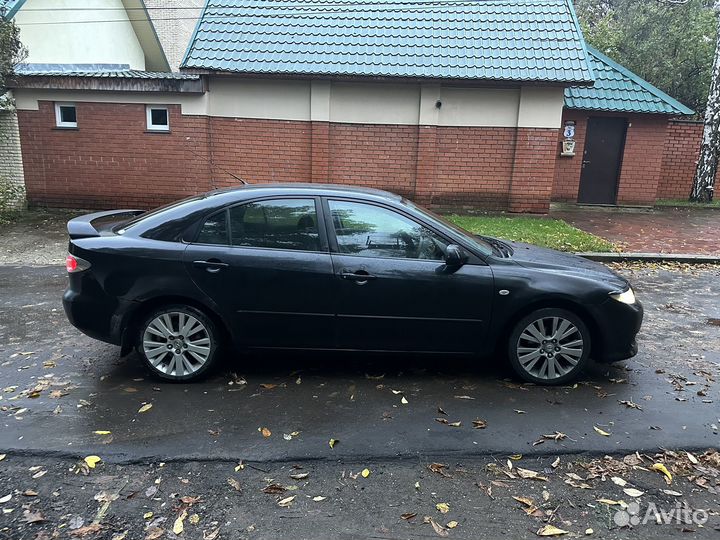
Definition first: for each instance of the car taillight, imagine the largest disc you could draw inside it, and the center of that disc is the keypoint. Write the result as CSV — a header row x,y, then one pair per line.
x,y
75,264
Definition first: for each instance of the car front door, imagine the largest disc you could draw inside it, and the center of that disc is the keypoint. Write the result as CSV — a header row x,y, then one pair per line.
x,y
395,291
267,267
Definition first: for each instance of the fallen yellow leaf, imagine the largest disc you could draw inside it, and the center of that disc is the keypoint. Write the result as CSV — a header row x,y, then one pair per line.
x,y
194,519
366,473
527,501
333,442
632,492
550,530
452,524
287,501
663,469
91,461
147,515
101,432
443,507
601,432
178,526
618,481
439,529
154,533
145,408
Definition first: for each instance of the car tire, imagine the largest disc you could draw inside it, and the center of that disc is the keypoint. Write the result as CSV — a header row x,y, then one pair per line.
x,y
549,346
178,343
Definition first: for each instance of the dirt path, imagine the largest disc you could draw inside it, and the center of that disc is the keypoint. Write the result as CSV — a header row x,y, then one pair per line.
x,y
36,237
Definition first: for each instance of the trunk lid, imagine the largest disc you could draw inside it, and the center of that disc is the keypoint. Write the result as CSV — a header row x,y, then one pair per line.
x,y
99,223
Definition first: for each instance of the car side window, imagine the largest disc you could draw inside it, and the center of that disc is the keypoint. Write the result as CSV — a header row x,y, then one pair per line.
x,y
277,224
214,230
373,231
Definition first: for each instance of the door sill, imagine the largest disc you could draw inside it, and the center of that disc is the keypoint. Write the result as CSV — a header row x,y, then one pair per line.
x,y
351,350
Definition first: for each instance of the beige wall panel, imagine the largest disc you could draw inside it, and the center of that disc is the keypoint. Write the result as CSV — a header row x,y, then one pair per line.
x,y
374,103
491,107
71,39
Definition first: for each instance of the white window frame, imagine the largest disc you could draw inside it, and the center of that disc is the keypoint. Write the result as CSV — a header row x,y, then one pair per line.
x,y
58,117
148,116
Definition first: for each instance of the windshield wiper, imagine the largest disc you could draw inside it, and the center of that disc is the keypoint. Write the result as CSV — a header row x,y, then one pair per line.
x,y
504,249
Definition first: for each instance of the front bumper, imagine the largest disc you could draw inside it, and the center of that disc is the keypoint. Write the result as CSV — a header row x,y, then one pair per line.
x,y
617,326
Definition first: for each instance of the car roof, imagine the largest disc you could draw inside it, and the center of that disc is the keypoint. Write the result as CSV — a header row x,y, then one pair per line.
x,y
309,189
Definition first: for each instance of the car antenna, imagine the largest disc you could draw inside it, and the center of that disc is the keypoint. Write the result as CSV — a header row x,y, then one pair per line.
x,y
235,176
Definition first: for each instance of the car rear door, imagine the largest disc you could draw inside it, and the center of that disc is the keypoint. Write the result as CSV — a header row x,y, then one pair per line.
x,y
394,290
266,265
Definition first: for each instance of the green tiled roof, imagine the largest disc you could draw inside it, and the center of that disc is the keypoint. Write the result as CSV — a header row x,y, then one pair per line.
x,y
508,40
617,89
104,71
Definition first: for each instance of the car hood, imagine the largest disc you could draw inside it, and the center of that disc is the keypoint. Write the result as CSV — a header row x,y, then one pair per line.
x,y
531,256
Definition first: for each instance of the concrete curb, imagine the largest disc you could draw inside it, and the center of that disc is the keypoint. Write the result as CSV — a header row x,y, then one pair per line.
x,y
652,257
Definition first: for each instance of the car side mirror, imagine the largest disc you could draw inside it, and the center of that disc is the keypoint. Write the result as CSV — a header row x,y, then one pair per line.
x,y
455,256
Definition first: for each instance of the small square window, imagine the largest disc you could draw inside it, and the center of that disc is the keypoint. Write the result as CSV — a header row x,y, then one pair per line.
x,y
65,115
158,118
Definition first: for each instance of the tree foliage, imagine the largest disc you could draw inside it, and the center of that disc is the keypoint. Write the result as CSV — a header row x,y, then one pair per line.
x,y
669,44
12,51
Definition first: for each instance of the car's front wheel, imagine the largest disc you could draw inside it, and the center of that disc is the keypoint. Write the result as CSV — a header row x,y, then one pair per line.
x,y
178,342
549,346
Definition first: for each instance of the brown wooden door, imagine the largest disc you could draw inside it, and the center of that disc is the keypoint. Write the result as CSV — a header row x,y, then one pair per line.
x,y
602,157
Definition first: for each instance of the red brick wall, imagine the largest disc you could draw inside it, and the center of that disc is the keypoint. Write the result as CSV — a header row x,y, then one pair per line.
x,y
641,163
640,174
473,167
111,161
371,155
260,150
533,170
567,169
682,147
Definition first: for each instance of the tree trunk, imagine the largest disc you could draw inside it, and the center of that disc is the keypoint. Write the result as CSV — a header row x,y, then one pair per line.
x,y
704,181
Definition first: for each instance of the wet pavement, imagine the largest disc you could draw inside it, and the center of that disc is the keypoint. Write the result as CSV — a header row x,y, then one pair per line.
x,y
539,462
659,230
59,387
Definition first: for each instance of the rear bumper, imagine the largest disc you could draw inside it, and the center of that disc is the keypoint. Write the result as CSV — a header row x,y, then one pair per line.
x,y
617,328
101,319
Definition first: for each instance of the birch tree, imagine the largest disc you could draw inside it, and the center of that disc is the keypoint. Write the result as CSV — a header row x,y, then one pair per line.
x,y
707,166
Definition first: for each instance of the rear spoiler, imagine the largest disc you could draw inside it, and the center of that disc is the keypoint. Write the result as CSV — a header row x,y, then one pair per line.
x,y
99,223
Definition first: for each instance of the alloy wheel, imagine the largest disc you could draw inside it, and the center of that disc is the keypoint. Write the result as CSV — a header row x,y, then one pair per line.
x,y
549,348
176,344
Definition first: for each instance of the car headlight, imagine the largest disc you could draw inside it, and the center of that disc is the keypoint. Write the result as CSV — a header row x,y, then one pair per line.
x,y
627,297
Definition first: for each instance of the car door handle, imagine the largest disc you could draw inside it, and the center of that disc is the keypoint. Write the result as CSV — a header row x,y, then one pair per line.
x,y
213,265
361,277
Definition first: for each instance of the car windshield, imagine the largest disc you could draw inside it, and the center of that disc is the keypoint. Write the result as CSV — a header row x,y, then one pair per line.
x,y
478,243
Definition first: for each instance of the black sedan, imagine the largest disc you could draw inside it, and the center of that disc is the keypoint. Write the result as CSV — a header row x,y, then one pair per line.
x,y
297,266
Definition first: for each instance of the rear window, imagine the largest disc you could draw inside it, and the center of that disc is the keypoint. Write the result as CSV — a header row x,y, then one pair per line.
x,y
121,228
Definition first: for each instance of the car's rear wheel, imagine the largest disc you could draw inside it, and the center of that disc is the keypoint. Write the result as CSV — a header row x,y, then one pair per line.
x,y
549,346
178,342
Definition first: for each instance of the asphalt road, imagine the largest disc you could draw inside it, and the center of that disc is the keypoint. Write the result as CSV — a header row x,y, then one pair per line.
x,y
84,386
